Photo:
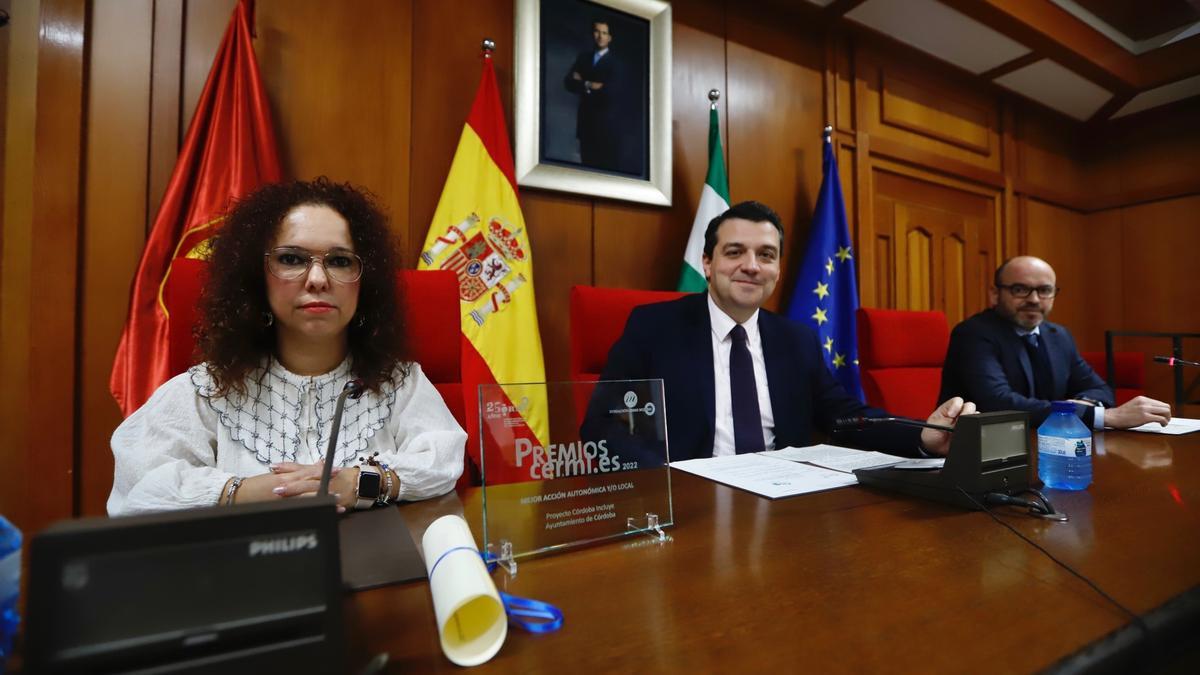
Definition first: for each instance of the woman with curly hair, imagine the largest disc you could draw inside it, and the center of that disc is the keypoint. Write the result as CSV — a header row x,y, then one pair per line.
x,y
301,299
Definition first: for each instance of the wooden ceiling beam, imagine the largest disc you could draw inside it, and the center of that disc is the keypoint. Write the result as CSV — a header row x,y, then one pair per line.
x,y
1057,34
1009,66
1168,64
1048,29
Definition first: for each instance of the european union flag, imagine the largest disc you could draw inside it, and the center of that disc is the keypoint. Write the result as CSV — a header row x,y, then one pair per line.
x,y
826,294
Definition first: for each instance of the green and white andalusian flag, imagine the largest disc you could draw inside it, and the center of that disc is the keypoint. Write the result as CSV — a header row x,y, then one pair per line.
x,y
714,200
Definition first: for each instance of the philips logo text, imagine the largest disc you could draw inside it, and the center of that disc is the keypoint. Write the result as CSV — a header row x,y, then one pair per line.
x,y
300,542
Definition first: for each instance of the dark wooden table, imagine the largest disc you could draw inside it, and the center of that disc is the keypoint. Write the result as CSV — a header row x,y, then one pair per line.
x,y
849,580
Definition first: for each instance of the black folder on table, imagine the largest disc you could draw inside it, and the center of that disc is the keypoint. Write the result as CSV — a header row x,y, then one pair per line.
x,y
377,550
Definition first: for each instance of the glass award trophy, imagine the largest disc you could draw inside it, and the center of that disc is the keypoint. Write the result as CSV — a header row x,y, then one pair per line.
x,y
572,463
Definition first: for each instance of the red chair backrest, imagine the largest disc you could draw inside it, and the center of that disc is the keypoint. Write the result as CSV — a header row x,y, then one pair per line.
x,y
429,309
900,356
598,317
1129,370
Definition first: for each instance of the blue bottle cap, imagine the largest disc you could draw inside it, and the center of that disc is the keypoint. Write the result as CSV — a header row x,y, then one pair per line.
x,y
1062,407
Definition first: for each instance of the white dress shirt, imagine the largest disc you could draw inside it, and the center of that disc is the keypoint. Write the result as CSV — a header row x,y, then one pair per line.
x,y
722,343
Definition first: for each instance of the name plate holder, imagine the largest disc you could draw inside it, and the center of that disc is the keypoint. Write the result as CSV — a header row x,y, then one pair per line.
x,y
568,464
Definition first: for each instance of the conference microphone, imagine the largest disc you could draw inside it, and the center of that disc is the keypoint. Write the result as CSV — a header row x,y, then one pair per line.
x,y
860,423
1172,361
353,389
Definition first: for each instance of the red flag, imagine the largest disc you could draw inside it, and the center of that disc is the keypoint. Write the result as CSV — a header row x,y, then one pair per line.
x,y
228,152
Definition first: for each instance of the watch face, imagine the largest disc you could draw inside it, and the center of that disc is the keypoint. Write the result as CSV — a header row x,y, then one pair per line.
x,y
368,485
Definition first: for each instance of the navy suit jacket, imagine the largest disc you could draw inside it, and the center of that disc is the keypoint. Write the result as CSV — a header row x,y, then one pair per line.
x,y
672,340
987,363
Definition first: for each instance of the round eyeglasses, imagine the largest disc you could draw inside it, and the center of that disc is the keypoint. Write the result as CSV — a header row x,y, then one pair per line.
x,y
290,263
1023,291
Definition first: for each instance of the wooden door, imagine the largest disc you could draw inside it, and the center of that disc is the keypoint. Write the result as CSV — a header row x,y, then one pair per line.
x,y
941,248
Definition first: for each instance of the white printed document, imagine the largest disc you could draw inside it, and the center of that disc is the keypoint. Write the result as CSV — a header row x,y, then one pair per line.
x,y
766,476
835,457
1177,426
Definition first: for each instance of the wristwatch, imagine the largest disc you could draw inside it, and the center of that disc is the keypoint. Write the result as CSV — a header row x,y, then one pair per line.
x,y
368,487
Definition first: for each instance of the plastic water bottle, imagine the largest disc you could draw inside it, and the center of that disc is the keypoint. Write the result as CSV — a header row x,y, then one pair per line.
x,y
10,585
1064,449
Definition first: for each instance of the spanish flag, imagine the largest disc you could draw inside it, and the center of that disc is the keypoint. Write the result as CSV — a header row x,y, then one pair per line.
x,y
478,232
229,151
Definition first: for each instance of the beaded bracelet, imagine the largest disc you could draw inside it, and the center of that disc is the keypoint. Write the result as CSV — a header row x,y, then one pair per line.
x,y
385,495
232,489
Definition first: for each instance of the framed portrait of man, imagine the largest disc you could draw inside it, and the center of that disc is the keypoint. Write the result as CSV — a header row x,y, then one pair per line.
x,y
593,99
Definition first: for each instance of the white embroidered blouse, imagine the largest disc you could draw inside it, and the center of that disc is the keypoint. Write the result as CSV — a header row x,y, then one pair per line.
x,y
181,447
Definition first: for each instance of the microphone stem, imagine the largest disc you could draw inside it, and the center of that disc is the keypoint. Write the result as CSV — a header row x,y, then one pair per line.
x,y
922,425
327,470
927,425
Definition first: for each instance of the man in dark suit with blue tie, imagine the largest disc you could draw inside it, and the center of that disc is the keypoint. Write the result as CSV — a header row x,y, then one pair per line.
x,y
595,79
1010,357
739,378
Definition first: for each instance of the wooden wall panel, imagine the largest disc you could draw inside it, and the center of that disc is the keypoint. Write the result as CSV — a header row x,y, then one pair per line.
x,y
53,404
913,105
1046,146
928,113
1158,265
776,115
5,39
561,226
915,256
954,272
446,37
16,261
844,87
114,213
204,24
342,113
1150,157
881,293
1160,284
165,83
1079,247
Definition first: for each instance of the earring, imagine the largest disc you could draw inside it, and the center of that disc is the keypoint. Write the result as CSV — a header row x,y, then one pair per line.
x,y
362,320
268,319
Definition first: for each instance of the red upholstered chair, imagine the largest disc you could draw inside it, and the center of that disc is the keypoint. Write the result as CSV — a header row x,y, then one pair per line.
x,y
430,312
181,296
900,356
598,317
1129,370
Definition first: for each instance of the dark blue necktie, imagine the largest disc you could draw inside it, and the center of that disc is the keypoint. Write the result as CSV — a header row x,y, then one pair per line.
x,y
743,394
1043,381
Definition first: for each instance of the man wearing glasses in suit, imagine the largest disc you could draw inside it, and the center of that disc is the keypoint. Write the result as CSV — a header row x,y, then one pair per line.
x,y
1010,357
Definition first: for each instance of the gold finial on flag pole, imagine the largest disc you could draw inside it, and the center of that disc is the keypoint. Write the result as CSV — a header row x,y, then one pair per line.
x,y
828,133
714,95
488,46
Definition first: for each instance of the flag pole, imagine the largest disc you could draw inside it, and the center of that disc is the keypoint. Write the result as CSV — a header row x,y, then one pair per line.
x,y
828,133
714,95
487,47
